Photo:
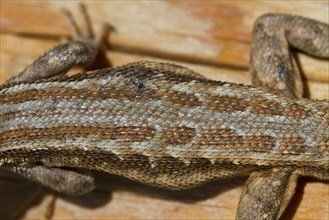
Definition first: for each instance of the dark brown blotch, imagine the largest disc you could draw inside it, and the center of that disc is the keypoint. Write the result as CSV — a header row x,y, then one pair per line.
x,y
178,135
226,104
200,164
227,138
180,99
323,146
293,144
267,107
219,136
168,164
123,133
259,142
136,161
120,92
259,106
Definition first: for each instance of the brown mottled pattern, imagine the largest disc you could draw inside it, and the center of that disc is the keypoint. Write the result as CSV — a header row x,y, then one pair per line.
x,y
260,142
224,103
228,137
138,161
293,144
178,135
125,133
257,106
17,113
117,92
167,163
266,107
216,136
324,146
139,164
181,99
193,118
296,111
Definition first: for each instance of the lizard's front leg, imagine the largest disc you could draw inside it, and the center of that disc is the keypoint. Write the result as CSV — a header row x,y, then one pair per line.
x,y
82,51
267,193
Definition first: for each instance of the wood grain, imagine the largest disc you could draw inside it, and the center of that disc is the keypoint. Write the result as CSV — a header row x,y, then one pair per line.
x,y
212,38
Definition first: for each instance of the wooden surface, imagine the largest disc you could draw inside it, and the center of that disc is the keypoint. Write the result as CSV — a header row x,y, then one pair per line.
x,y
212,38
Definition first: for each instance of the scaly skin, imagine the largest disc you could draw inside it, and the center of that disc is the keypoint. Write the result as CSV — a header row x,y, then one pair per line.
x,y
165,125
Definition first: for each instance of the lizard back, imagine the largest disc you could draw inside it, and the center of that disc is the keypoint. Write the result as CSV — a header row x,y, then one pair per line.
x,y
150,121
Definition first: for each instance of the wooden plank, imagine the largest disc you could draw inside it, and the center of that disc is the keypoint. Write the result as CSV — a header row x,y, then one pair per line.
x,y
212,38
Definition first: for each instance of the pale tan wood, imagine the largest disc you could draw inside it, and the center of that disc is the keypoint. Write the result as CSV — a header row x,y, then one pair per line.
x,y
212,38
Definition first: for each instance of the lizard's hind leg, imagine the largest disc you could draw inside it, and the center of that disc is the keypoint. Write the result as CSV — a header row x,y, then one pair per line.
x,y
273,66
57,61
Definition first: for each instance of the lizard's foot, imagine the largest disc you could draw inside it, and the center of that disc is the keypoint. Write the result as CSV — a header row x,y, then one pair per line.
x,y
86,33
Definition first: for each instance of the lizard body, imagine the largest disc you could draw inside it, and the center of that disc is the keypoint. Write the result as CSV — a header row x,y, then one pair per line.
x,y
163,124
